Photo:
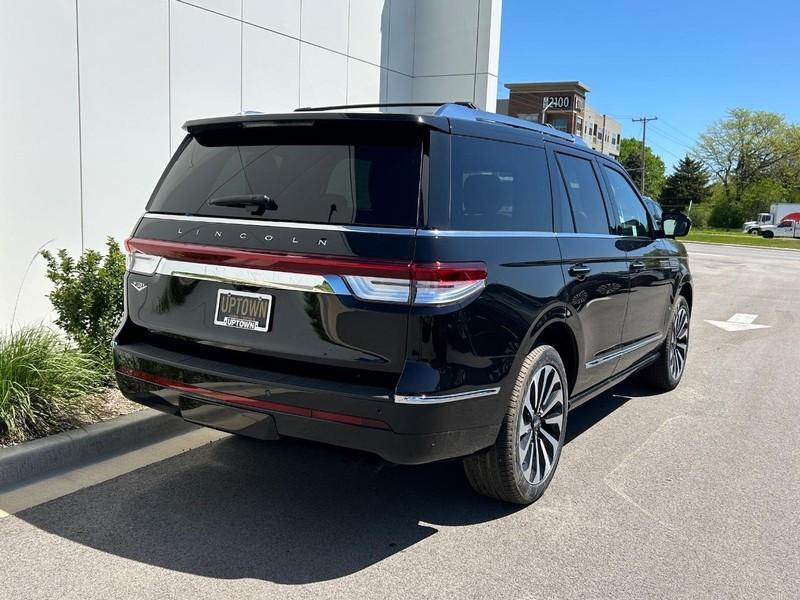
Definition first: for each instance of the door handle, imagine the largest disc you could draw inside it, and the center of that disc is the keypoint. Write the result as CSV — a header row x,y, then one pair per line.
x,y
637,265
579,270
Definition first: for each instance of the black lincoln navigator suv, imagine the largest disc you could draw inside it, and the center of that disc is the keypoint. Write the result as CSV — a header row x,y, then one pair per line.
x,y
419,286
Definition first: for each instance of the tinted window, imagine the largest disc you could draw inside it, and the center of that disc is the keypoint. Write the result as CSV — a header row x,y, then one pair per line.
x,y
499,186
588,210
332,181
631,214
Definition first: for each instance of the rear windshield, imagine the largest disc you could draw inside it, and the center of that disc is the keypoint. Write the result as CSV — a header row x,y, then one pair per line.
x,y
295,174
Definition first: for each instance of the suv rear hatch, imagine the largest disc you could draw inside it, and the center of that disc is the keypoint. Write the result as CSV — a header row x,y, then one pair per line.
x,y
288,239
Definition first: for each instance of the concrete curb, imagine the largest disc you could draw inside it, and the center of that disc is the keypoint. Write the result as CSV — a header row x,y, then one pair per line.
x,y
38,458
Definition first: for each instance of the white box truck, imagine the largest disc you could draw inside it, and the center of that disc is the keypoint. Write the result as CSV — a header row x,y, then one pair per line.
x,y
778,212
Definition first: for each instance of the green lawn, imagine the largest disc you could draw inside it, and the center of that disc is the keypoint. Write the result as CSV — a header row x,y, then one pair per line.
x,y
733,236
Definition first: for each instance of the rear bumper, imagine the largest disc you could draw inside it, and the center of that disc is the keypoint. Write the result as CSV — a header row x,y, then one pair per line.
x,y
343,414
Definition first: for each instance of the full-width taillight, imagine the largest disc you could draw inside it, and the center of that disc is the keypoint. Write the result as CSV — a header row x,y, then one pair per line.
x,y
429,284
426,284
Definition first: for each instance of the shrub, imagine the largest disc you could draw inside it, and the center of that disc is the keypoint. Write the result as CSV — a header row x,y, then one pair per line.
x,y
88,297
45,385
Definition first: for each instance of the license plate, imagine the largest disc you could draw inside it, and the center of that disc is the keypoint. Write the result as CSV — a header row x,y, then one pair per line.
x,y
243,310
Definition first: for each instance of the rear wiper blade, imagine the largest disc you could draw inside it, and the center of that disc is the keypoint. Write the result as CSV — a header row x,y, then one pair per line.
x,y
259,202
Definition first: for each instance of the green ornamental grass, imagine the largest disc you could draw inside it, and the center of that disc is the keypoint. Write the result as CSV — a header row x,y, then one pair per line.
x,y
45,384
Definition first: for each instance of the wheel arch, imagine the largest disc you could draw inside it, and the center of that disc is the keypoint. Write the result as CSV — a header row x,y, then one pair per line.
x,y
560,336
687,292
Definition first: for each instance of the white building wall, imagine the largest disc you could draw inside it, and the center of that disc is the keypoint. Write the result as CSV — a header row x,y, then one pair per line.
x,y
40,187
456,51
93,94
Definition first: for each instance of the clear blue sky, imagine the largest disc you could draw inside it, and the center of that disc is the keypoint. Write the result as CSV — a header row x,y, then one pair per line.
x,y
685,62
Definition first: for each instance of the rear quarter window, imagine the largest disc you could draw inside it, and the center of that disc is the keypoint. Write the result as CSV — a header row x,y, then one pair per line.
x,y
498,186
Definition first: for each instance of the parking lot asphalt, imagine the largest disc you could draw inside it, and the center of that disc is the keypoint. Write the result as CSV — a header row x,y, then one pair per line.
x,y
689,494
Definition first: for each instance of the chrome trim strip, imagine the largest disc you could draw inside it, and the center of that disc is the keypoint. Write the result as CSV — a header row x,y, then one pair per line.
x,y
657,337
283,224
425,399
466,233
366,229
300,282
601,236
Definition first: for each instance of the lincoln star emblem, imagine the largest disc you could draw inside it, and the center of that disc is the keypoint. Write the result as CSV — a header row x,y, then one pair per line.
x,y
138,285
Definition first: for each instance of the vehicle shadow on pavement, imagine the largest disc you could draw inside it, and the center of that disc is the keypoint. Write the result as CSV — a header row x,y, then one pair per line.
x,y
595,410
287,512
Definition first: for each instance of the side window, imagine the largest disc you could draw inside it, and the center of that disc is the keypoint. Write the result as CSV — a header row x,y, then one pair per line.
x,y
499,186
631,213
588,209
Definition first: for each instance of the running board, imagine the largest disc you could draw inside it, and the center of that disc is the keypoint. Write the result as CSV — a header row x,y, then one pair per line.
x,y
585,395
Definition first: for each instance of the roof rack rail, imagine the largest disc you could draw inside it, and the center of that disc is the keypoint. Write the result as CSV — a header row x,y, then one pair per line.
x,y
466,111
469,105
459,111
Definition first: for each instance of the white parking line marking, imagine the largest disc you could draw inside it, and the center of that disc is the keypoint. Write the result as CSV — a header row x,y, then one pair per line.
x,y
739,322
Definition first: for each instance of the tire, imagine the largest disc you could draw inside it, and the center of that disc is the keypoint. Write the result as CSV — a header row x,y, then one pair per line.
x,y
768,234
666,373
754,232
513,470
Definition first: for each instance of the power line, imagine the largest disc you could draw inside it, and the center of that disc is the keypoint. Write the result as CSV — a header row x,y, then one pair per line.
x,y
643,121
663,149
671,138
678,131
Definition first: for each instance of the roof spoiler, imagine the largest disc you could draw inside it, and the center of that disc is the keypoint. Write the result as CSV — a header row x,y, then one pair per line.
x,y
465,111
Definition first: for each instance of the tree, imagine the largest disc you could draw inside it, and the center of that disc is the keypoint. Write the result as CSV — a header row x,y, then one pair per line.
x,y
749,147
687,184
630,157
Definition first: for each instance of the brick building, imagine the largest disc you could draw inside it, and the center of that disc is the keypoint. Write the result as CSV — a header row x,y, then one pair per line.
x,y
564,106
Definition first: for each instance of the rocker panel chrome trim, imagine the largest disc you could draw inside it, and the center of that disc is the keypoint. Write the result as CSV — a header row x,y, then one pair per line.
x,y
657,337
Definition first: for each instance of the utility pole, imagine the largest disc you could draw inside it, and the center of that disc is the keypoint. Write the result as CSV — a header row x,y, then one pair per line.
x,y
603,139
644,121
